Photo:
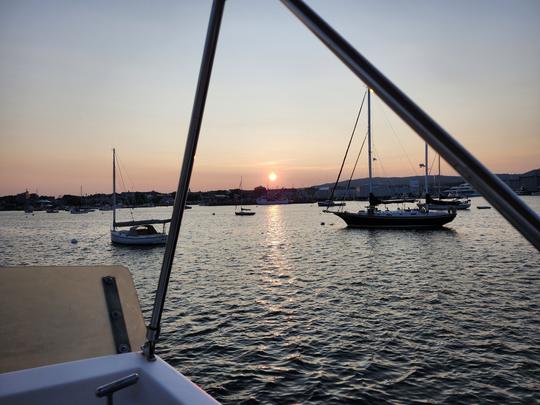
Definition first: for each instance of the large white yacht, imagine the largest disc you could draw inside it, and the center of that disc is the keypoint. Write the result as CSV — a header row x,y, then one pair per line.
x,y
462,190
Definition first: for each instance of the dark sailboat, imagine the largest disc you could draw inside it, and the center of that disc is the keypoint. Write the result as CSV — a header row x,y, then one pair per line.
x,y
373,217
440,203
244,212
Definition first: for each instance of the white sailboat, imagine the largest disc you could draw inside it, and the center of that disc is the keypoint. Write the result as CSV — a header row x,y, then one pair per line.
x,y
138,232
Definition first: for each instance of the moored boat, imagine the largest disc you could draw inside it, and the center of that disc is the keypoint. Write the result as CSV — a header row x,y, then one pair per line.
x,y
265,201
140,232
444,204
373,217
331,203
243,212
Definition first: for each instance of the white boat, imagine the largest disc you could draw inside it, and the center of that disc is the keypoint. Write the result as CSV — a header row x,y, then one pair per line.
x,y
138,232
331,203
462,190
265,201
77,341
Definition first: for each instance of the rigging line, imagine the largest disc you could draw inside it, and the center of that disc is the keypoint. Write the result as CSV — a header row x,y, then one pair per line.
x,y
432,165
354,168
348,146
429,172
131,183
124,184
397,138
385,177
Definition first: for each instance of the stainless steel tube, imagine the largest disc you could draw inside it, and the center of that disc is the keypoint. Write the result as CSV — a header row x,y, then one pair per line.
x,y
490,186
197,113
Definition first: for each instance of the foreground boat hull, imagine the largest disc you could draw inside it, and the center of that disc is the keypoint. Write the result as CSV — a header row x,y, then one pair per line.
x,y
122,238
394,220
76,382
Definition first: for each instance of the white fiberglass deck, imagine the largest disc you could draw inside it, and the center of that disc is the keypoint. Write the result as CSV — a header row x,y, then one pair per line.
x,y
76,382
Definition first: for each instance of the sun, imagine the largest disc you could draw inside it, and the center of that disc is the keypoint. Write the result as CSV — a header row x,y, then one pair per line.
x,y
272,176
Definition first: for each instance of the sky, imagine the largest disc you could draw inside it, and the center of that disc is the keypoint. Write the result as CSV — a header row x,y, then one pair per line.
x,y
78,78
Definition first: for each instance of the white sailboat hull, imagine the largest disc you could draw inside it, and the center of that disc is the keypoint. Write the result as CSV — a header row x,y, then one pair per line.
x,y
75,382
124,238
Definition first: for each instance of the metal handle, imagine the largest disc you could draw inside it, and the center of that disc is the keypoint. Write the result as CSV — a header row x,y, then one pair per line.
x,y
109,389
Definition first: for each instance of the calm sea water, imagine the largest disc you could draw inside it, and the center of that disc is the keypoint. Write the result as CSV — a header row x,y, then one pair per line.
x,y
278,308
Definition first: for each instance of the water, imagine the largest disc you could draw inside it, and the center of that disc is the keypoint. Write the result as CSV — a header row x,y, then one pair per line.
x,y
278,308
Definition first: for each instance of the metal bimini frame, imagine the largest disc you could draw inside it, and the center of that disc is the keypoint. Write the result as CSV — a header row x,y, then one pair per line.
x,y
522,218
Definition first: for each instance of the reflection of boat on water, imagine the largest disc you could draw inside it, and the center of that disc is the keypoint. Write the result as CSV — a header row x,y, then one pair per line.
x,y
272,201
373,217
329,203
243,212
140,232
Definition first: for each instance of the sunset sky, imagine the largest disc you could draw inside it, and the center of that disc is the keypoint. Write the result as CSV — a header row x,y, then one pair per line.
x,y
78,78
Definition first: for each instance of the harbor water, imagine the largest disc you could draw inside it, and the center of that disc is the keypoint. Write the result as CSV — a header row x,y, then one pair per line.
x,y
289,306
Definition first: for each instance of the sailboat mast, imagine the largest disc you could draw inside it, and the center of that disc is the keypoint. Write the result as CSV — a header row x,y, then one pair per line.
x,y
427,171
369,139
439,178
114,186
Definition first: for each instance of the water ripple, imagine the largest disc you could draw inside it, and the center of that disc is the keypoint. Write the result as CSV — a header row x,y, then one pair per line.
x,y
276,308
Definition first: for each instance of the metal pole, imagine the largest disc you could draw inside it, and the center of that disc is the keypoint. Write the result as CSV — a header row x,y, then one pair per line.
x,y
205,72
490,186
114,187
427,172
369,139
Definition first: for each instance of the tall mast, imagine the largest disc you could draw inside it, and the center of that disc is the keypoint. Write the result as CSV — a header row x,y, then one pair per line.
x,y
427,171
114,186
369,138
439,178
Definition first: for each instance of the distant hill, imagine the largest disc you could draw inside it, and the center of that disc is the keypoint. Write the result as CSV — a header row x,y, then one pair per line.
x,y
396,181
414,184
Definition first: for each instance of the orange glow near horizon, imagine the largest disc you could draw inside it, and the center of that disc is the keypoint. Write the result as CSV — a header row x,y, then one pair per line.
x,y
272,176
